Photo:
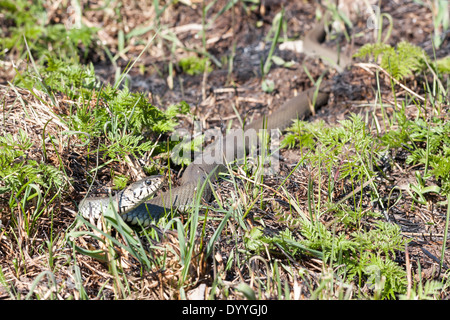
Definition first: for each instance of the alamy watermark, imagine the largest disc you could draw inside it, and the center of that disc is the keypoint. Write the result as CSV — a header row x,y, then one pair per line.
x,y
373,21
73,20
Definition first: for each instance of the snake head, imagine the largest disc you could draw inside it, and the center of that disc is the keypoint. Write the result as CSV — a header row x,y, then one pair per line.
x,y
138,192
145,188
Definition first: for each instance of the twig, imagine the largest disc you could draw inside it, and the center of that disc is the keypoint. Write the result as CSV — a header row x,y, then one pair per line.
x,y
367,66
261,185
408,272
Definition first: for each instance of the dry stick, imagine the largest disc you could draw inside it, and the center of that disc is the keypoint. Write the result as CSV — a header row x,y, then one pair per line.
x,y
433,257
367,66
441,87
444,242
350,194
267,187
205,79
261,185
408,271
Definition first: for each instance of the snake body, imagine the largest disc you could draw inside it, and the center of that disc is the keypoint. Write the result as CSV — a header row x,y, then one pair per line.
x,y
233,145
123,201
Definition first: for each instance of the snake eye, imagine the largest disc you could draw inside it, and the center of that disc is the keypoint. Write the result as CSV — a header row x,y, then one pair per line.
x,y
148,182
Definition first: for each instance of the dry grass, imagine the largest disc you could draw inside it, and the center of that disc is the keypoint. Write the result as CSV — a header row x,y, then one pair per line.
x,y
41,242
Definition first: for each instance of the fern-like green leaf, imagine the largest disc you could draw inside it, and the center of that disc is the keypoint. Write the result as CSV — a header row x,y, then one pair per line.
x,y
403,61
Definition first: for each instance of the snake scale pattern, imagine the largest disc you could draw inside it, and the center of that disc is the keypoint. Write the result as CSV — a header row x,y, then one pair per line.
x,y
144,212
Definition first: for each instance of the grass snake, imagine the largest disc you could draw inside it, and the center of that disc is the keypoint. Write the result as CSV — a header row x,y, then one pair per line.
x,y
133,204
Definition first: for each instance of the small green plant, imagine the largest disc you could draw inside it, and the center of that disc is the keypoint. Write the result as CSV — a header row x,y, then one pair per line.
x,y
400,62
373,264
28,185
428,144
17,170
267,84
28,20
119,115
352,218
351,138
181,153
443,65
385,277
302,134
61,75
385,238
194,65
428,291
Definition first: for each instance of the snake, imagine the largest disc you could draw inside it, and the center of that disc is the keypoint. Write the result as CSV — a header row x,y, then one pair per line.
x,y
134,203
123,201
